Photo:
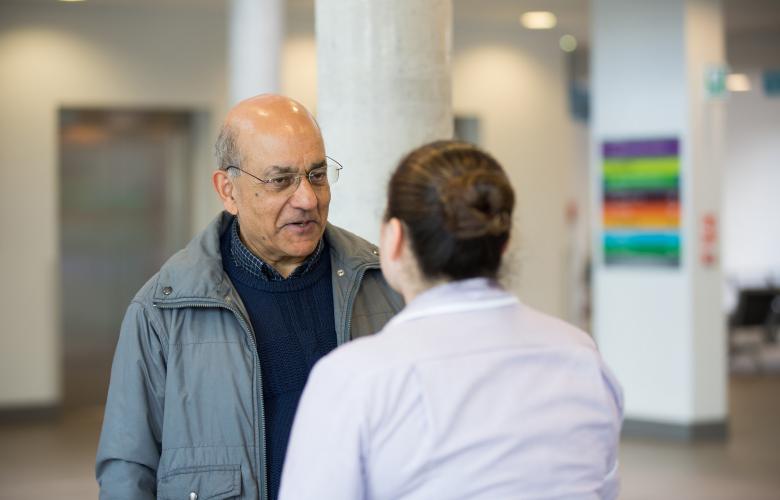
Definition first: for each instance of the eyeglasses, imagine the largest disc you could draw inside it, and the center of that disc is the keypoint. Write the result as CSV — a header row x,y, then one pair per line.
x,y
318,177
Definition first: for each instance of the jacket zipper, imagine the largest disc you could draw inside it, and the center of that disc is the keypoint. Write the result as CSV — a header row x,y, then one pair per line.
x,y
261,458
351,300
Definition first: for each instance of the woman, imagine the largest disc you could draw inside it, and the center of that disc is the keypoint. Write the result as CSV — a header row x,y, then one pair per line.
x,y
467,393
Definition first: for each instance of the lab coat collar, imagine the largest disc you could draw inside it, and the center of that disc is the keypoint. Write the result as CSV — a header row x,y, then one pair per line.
x,y
456,296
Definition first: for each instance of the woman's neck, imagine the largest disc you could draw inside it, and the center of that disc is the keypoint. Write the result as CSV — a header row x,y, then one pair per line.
x,y
414,287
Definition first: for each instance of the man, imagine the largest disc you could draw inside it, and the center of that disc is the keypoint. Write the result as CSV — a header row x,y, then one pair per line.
x,y
215,349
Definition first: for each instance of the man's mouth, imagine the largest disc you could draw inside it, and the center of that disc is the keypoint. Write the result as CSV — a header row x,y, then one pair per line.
x,y
303,224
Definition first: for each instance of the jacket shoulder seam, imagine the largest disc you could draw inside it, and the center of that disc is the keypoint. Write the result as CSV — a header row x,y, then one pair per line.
x,y
151,314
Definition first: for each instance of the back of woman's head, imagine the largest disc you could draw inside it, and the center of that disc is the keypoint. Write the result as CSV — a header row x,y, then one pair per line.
x,y
456,203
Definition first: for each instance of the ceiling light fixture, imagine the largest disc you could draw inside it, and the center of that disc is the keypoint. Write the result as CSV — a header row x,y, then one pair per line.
x,y
737,82
538,20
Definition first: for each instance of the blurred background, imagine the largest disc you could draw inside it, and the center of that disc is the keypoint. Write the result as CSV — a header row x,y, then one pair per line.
x,y
109,110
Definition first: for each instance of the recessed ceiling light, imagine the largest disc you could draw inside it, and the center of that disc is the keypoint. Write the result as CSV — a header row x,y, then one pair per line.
x,y
568,43
538,20
71,1
738,82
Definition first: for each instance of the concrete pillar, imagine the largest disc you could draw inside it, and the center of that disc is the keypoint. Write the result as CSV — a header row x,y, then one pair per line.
x,y
255,36
384,87
657,137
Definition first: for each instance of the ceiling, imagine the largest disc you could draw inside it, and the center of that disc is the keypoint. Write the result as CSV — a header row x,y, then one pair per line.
x,y
742,16
86,3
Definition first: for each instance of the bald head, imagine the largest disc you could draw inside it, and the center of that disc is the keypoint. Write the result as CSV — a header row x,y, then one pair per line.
x,y
262,124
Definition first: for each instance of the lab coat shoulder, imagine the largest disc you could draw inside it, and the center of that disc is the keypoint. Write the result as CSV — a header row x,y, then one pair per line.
x,y
540,326
553,331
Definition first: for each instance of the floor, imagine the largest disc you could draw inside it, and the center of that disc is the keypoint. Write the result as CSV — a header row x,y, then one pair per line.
x,y
41,461
746,467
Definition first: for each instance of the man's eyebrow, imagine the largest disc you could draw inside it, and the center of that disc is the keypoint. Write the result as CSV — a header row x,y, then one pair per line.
x,y
286,169
318,164
281,169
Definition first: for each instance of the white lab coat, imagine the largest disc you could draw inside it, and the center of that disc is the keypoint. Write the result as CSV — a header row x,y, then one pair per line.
x,y
466,394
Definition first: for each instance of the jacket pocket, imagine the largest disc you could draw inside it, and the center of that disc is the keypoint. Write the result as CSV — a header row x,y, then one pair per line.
x,y
205,482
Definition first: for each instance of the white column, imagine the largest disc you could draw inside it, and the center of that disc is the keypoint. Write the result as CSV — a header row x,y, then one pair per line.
x,y
384,87
255,36
660,327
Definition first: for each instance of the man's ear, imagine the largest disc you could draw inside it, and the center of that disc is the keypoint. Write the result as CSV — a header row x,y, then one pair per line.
x,y
225,189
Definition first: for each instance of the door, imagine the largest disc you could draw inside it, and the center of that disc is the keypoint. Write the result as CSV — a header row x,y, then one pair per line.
x,y
124,209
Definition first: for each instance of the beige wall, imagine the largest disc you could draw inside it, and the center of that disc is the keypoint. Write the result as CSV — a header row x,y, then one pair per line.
x,y
54,55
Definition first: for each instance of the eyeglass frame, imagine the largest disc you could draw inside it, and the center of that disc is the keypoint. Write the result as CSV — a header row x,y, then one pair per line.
x,y
339,167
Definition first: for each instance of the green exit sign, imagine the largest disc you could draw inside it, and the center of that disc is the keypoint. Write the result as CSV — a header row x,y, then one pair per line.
x,y
772,82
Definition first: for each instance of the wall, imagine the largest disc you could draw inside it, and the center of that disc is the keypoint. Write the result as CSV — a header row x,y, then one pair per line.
x,y
633,338
513,80
705,46
751,236
299,69
751,233
54,55
655,326
578,290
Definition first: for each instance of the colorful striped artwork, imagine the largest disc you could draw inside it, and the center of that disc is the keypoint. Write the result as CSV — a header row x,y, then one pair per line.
x,y
641,206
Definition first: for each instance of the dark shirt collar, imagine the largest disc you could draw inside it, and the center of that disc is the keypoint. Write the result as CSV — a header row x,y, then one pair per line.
x,y
257,267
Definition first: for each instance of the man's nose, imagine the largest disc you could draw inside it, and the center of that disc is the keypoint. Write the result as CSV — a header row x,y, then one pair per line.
x,y
304,196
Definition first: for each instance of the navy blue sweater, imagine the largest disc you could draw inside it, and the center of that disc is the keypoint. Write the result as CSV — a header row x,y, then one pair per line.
x,y
294,327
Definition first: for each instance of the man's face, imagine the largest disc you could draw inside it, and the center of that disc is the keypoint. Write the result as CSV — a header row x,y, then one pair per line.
x,y
284,227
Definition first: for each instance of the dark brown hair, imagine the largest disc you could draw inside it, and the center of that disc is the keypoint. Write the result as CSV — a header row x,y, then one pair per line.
x,y
456,202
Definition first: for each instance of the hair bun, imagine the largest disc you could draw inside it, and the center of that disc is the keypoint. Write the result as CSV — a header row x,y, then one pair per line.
x,y
475,205
456,202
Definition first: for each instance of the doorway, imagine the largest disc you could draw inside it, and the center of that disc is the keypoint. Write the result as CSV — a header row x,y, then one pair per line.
x,y
124,209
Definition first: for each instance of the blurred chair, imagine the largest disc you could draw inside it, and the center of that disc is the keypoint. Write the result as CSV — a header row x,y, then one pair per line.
x,y
757,307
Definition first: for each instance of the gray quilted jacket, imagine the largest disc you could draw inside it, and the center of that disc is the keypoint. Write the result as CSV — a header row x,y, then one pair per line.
x,y
184,415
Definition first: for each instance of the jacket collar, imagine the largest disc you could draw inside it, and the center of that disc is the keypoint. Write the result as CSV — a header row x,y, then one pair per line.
x,y
349,251
195,273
